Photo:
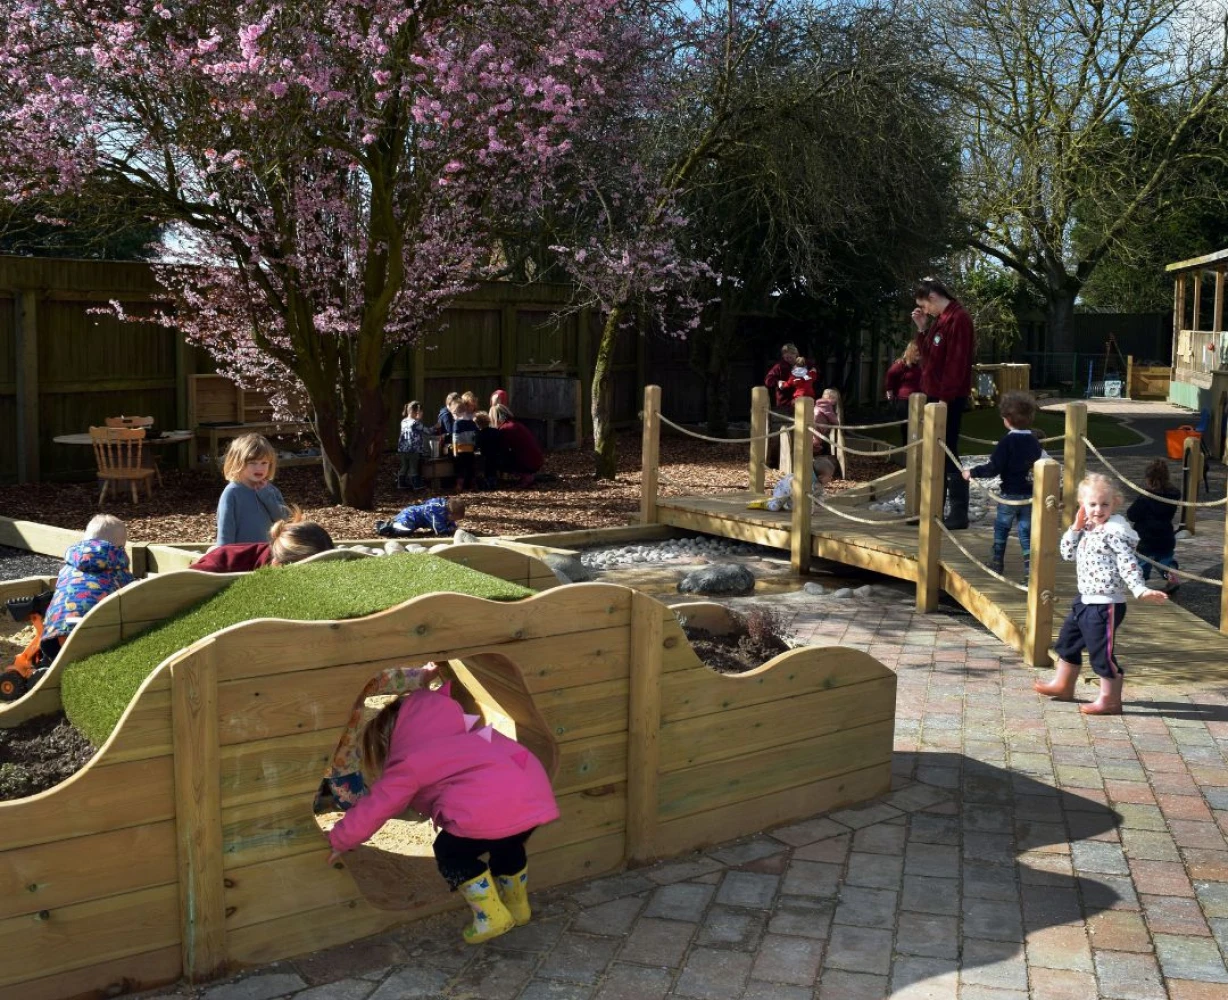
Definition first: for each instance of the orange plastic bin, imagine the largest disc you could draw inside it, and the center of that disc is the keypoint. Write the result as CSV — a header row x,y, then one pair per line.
x,y
1175,439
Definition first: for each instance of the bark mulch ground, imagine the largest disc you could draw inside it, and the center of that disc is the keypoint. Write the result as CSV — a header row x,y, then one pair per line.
x,y
40,753
184,510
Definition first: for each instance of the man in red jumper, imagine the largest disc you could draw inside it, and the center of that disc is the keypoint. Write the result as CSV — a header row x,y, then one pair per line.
x,y
947,343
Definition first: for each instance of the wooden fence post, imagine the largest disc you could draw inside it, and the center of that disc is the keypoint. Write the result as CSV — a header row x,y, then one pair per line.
x,y
651,455
759,406
1046,533
198,813
1191,467
912,457
1074,460
800,541
644,726
929,536
1129,393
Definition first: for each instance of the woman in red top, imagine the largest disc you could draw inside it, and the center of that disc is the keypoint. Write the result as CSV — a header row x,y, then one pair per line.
x,y
520,451
778,375
947,344
290,540
903,378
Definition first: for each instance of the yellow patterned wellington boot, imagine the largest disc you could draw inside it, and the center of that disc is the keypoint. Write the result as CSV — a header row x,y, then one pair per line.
x,y
514,891
490,916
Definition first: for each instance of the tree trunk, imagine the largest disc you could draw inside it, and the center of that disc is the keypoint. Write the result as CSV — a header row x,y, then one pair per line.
x,y
352,461
604,454
1060,316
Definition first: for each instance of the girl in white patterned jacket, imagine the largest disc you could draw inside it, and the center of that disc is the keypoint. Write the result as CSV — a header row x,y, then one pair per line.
x,y
1103,545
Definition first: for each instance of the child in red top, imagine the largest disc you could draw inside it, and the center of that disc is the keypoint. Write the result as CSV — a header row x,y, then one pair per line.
x,y
485,792
801,381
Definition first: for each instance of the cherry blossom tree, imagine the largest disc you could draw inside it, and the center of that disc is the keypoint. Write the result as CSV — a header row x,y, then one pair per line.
x,y
332,169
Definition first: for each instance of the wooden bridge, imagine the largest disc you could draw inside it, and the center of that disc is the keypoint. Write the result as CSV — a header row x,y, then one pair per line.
x,y
1161,644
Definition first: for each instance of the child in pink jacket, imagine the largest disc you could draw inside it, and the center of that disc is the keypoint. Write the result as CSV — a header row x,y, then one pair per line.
x,y
486,794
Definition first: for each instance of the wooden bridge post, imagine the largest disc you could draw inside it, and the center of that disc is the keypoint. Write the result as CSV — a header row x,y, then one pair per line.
x,y
1191,466
650,458
929,536
1223,590
912,457
1046,533
759,405
800,542
1074,460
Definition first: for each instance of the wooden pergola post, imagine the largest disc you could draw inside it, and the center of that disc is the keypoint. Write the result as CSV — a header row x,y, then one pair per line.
x,y
803,451
1074,460
929,535
1191,467
912,457
1042,575
759,406
650,457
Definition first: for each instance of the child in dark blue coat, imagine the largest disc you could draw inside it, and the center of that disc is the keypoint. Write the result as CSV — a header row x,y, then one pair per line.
x,y
1153,520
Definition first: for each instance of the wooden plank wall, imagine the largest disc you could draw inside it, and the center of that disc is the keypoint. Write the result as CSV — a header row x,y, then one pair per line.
x,y
815,727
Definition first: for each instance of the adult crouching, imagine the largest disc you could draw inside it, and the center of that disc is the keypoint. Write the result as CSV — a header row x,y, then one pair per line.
x,y
520,452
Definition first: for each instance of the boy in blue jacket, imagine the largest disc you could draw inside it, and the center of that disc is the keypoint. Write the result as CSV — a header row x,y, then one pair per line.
x,y
438,515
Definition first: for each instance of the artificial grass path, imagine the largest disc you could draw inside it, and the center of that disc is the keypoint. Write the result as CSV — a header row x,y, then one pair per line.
x,y
96,691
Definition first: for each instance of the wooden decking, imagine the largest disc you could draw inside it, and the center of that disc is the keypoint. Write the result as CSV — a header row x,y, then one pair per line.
x,y
1159,644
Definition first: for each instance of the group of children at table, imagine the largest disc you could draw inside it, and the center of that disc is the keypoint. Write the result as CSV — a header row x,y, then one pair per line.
x,y
467,434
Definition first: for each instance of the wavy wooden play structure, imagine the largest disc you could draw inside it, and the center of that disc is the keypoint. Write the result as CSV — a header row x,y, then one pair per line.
x,y
188,846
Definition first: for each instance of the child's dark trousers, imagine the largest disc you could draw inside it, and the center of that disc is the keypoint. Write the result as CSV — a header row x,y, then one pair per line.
x,y
1092,627
458,857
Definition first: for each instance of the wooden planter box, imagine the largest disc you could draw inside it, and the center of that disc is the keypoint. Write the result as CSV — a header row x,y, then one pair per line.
x,y
188,846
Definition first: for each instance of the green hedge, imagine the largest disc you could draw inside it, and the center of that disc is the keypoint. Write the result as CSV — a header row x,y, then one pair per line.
x,y
96,691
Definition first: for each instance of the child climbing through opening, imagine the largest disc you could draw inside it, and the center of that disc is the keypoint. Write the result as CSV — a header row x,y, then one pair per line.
x,y
250,504
1012,460
485,793
413,447
823,471
1102,543
437,515
93,568
1153,520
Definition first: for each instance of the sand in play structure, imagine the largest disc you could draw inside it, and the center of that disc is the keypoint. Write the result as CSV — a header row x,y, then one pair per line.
x,y
395,869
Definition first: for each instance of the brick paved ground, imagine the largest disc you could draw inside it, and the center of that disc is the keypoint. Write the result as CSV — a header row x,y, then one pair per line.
x,y
1027,852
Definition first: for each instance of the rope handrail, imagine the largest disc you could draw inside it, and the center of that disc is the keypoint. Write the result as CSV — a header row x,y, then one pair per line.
x,y
860,520
994,573
719,440
1051,439
996,497
1138,489
772,414
860,451
1184,574
1046,440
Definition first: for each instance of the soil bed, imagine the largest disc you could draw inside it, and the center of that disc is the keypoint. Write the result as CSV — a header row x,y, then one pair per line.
x,y
734,652
39,754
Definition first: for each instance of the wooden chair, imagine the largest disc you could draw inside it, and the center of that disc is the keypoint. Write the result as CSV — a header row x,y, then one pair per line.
x,y
144,423
118,451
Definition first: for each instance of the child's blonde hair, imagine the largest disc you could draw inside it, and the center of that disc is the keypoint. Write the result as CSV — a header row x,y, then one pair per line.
x,y
1096,482
831,394
294,538
249,448
451,400
376,737
107,528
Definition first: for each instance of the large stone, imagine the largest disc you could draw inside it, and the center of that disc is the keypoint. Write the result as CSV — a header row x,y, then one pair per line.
x,y
722,578
462,537
569,569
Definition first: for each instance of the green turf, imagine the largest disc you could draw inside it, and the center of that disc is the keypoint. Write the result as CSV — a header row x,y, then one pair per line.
x,y
1103,431
96,691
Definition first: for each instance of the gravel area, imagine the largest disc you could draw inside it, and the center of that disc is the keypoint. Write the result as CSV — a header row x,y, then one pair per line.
x,y
16,563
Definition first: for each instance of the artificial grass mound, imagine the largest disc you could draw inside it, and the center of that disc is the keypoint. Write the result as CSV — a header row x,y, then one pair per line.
x,y
96,691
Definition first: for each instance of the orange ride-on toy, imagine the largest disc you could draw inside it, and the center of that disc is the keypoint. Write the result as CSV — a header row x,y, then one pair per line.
x,y
16,679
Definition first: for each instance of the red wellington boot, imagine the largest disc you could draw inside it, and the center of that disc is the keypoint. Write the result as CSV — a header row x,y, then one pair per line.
x,y
1062,687
1109,702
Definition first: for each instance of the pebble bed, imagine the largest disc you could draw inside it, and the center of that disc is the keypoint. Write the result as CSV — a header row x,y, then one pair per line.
x,y
675,550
